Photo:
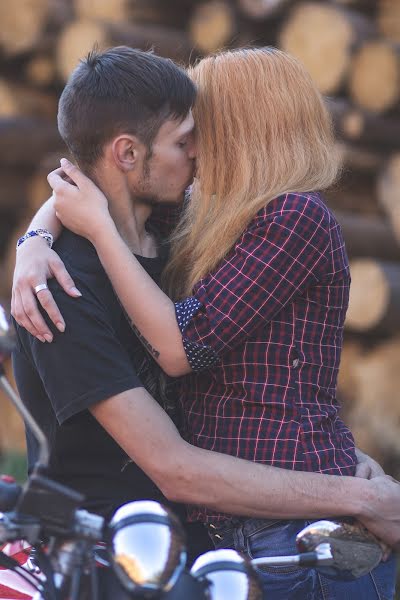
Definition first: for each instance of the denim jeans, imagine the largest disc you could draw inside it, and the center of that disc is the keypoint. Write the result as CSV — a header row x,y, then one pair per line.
x,y
260,537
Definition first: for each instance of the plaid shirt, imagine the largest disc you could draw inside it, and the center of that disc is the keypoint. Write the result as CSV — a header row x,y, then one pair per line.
x,y
263,334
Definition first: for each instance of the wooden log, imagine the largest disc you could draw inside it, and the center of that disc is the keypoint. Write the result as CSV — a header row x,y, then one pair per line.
x,y
352,353
374,296
355,192
365,6
388,189
363,128
8,263
23,22
24,141
19,100
78,38
262,9
12,433
374,78
368,236
322,36
41,71
377,379
357,158
173,13
389,19
212,26
13,190
38,187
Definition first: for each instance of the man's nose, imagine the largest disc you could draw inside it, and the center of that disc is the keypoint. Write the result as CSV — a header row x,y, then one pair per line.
x,y
192,150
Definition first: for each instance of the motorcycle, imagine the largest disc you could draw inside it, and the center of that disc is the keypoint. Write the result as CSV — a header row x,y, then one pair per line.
x,y
141,552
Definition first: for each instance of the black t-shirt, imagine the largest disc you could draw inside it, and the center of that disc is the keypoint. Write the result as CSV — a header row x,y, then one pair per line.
x,y
98,356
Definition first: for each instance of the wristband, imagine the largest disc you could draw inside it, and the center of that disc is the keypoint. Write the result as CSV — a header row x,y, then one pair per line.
x,y
43,233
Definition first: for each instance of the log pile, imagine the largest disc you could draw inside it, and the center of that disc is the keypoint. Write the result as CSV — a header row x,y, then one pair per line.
x,y
351,49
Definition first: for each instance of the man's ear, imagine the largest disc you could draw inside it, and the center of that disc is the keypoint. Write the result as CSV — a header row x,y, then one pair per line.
x,y
126,150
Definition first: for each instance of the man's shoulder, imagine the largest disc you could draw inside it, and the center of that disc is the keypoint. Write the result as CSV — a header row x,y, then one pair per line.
x,y
78,252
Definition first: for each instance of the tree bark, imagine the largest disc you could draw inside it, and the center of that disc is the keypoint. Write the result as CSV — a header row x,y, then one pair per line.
x,y
363,128
368,236
262,9
24,141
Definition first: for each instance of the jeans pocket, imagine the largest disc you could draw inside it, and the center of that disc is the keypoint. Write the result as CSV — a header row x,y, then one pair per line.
x,y
384,578
276,538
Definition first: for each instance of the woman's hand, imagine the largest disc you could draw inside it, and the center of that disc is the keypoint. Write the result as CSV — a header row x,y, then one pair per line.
x,y
35,264
79,204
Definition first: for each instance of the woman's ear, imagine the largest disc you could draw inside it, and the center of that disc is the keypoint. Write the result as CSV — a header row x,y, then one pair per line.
x,y
126,150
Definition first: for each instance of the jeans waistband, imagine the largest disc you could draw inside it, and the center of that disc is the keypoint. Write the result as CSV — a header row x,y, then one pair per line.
x,y
222,533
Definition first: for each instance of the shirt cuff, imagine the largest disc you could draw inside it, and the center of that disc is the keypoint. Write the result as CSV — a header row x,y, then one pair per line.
x,y
199,356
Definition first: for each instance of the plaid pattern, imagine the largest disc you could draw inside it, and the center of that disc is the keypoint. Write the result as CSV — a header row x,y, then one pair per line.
x,y
270,321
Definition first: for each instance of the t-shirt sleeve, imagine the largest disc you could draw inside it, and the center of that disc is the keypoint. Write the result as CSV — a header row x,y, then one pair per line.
x,y
276,258
84,365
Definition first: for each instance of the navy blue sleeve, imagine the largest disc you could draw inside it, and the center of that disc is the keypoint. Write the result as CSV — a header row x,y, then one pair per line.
x,y
84,365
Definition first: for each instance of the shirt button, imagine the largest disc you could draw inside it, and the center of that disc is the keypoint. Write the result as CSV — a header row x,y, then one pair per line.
x,y
296,362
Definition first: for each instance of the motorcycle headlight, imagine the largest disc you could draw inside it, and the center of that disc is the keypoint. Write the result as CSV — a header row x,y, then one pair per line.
x,y
228,575
146,544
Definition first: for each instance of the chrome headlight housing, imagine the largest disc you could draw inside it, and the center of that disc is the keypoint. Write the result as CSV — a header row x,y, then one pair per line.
x,y
228,575
146,544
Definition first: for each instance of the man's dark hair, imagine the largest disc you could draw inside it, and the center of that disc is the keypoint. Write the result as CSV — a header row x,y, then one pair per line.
x,y
120,90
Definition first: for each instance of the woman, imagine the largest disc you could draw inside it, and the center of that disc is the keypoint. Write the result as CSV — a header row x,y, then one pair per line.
x,y
260,282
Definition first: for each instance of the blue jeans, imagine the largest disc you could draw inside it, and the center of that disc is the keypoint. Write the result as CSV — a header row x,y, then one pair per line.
x,y
260,537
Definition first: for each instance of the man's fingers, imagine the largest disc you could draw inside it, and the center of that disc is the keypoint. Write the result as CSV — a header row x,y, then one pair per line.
x,y
64,279
21,317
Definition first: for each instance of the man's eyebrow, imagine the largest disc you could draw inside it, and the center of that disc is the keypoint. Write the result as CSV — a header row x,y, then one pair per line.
x,y
186,131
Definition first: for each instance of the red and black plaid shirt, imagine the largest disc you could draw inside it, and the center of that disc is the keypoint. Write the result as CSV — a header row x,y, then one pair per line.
x,y
263,334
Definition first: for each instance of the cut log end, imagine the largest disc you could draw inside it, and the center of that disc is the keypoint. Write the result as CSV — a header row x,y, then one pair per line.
x,y
369,295
375,76
75,42
320,35
212,26
389,19
115,11
388,188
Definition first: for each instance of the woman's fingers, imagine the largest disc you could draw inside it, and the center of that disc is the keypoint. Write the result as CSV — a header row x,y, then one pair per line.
x,y
19,313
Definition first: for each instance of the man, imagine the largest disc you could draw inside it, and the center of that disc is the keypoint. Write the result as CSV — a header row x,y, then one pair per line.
x,y
125,116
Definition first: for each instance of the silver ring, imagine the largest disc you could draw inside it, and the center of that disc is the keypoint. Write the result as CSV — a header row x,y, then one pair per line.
x,y
40,287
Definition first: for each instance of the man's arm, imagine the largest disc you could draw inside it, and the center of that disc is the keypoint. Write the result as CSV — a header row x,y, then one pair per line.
x,y
35,264
192,475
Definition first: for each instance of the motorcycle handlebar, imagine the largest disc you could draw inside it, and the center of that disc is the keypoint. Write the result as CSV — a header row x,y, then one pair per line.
x,y
9,494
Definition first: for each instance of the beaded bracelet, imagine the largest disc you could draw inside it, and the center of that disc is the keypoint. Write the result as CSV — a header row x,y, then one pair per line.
x,y
46,235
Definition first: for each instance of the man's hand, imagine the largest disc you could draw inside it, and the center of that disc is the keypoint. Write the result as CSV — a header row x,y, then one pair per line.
x,y
35,264
367,467
381,510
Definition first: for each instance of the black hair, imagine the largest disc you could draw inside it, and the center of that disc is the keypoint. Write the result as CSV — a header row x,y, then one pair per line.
x,y
120,90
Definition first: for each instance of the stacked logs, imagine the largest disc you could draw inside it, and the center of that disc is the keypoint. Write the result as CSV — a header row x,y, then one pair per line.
x,y
351,49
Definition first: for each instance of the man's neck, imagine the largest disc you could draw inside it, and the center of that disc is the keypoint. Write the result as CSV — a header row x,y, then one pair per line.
x,y
129,216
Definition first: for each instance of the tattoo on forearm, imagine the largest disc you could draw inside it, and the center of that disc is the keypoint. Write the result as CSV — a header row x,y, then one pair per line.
x,y
154,353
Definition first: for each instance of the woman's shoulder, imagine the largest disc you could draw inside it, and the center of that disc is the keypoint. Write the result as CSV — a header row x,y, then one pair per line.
x,y
298,207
